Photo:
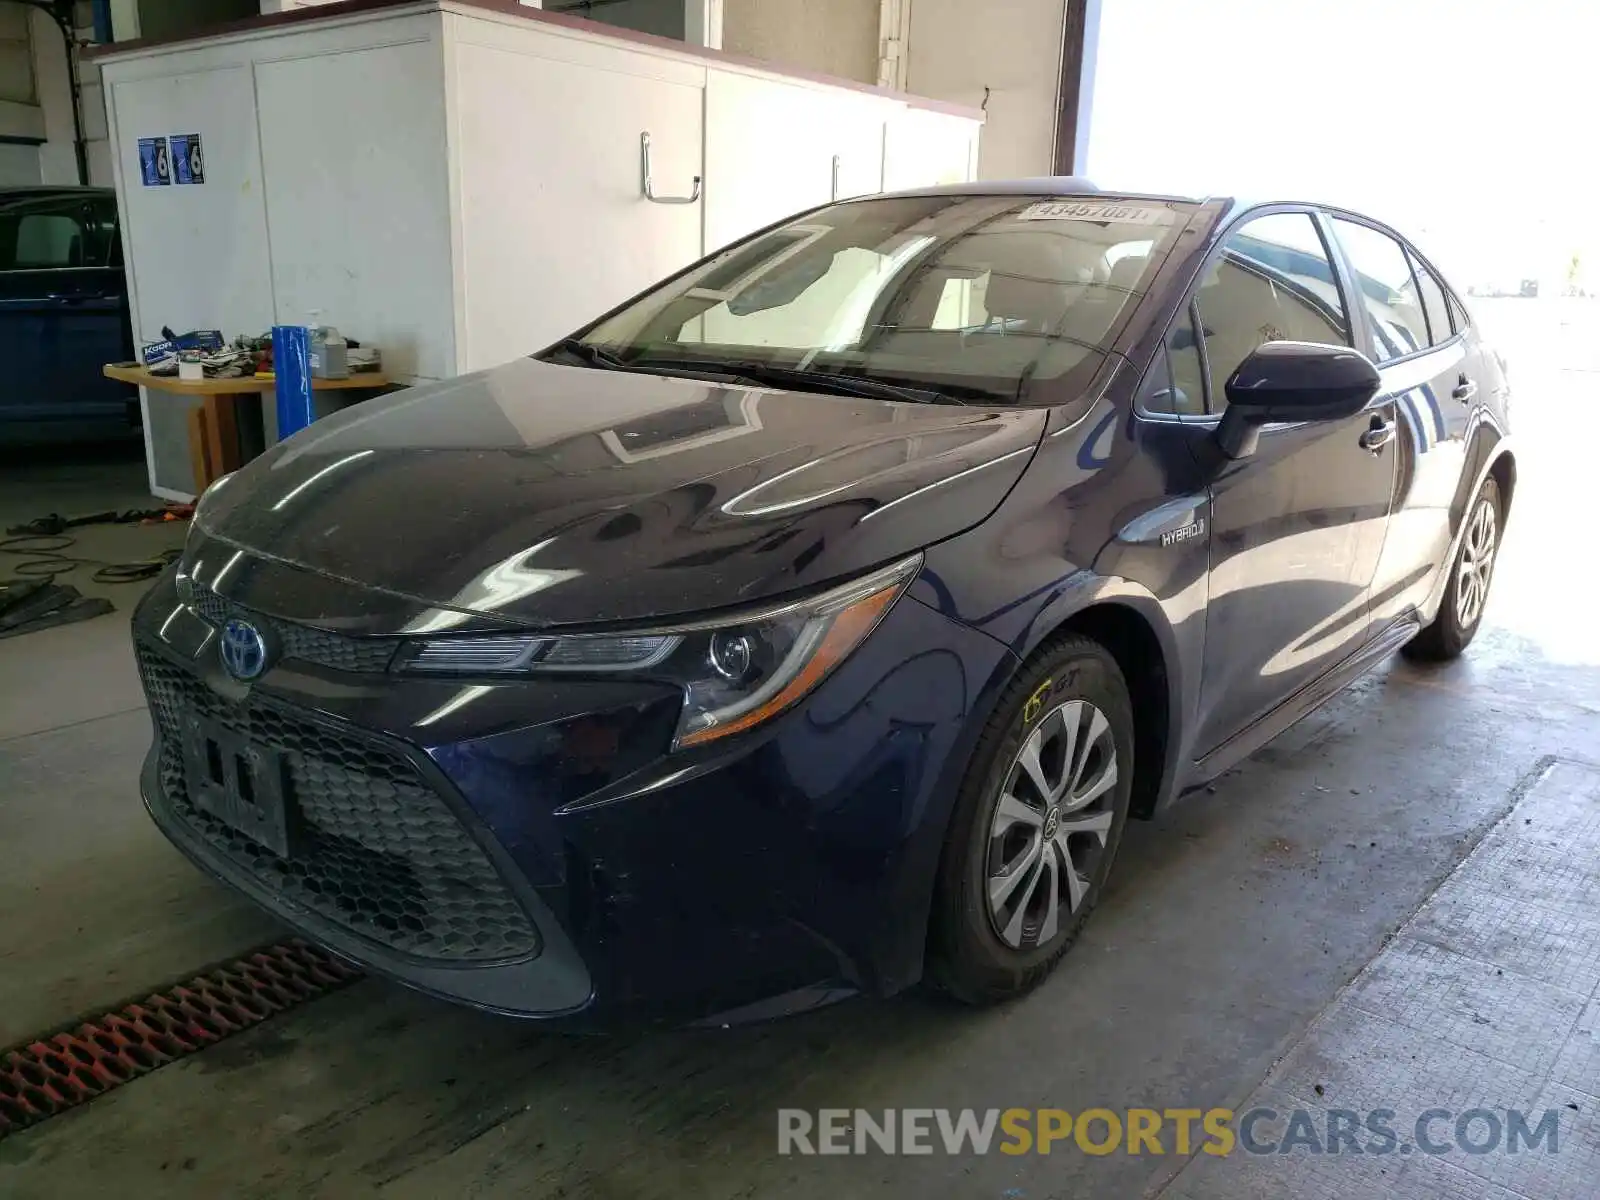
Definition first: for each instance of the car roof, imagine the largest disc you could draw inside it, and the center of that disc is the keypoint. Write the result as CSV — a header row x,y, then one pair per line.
x,y
34,191
1042,185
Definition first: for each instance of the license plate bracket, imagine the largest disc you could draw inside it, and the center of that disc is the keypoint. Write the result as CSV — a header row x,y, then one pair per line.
x,y
243,785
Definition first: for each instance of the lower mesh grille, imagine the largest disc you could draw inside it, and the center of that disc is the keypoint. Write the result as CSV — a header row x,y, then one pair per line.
x,y
379,852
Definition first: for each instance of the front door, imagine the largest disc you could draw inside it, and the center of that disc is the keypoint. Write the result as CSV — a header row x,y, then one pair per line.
x,y
1298,526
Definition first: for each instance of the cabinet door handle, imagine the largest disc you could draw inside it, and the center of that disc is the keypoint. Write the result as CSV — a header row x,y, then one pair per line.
x,y
644,178
833,191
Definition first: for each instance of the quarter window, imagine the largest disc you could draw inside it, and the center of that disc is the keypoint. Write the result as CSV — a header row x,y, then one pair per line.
x,y
1433,301
1271,282
1185,392
1387,289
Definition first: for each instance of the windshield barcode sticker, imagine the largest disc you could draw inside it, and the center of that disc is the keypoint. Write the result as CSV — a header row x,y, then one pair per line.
x,y
1097,210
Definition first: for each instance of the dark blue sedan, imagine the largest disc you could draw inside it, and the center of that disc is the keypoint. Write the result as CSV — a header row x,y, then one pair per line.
x,y
812,623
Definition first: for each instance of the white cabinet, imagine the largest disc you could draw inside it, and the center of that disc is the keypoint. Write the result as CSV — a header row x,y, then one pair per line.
x,y
554,228
926,146
359,266
462,185
775,147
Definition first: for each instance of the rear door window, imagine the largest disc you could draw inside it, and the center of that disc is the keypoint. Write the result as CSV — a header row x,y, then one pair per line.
x,y
45,235
1387,288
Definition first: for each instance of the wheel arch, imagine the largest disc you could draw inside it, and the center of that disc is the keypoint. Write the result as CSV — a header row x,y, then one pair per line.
x,y
1489,453
1132,639
1493,459
1504,469
1132,624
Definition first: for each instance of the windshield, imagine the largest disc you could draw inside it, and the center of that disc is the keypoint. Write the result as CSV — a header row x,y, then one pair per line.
x,y
969,297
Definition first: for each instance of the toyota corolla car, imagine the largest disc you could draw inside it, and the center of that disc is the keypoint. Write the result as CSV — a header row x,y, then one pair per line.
x,y
812,623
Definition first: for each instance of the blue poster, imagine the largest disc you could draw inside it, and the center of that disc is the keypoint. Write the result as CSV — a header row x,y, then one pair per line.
x,y
188,164
154,164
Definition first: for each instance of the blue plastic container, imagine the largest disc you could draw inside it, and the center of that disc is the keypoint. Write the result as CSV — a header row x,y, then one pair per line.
x,y
291,361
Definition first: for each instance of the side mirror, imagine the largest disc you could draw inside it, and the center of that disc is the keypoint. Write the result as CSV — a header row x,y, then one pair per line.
x,y
1293,381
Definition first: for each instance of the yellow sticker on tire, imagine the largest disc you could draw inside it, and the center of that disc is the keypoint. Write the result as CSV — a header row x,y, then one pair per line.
x,y
1035,703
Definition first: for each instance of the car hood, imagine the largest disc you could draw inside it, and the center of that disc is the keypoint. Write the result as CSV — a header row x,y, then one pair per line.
x,y
544,495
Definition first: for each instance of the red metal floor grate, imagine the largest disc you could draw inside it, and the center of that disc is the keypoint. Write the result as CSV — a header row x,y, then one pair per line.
x,y
49,1075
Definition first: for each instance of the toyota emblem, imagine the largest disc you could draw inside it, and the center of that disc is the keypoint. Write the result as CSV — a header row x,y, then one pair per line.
x,y
244,649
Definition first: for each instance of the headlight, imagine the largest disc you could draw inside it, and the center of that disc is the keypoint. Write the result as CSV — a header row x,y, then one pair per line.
x,y
735,672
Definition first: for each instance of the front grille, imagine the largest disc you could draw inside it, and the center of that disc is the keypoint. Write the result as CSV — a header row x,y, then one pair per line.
x,y
379,852
367,656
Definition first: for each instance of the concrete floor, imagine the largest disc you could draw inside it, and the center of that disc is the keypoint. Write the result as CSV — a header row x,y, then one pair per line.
x,y
1218,970
94,903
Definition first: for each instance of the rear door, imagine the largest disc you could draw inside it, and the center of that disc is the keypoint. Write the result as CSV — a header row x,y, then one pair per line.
x,y
1430,374
62,314
1296,527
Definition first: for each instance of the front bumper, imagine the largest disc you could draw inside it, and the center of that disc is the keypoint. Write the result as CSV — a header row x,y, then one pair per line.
x,y
532,848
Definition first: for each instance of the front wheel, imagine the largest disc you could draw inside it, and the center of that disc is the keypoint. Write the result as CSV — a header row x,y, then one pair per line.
x,y
1461,610
1036,826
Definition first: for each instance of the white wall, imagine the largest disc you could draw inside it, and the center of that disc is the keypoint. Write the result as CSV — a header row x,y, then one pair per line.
x,y
16,61
834,37
19,165
955,50
58,162
20,114
36,103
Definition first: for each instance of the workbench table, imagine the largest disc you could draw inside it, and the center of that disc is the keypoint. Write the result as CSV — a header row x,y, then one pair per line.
x,y
213,425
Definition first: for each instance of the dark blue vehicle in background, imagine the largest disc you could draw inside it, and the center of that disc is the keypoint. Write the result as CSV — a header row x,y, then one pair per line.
x,y
812,624
63,315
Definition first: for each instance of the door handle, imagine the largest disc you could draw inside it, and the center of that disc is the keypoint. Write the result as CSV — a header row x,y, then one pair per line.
x,y
1378,435
1465,390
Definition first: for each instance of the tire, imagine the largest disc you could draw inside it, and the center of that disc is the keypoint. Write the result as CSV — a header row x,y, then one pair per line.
x,y
981,951
1461,611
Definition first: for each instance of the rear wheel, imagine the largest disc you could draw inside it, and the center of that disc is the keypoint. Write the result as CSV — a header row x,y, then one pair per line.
x,y
1461,610
1036,826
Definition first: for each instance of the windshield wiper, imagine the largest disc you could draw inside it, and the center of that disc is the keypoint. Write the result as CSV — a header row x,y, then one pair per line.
x,y
591,354
770,374
818,381
831,381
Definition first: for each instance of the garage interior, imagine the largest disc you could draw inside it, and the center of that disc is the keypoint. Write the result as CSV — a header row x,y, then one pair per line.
x,y
1394,903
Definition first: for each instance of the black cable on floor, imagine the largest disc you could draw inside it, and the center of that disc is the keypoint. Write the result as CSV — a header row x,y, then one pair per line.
x,y
42,558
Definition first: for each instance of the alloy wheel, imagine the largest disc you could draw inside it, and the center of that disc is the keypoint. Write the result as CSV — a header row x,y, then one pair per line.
x,y
1051,824
1477,564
